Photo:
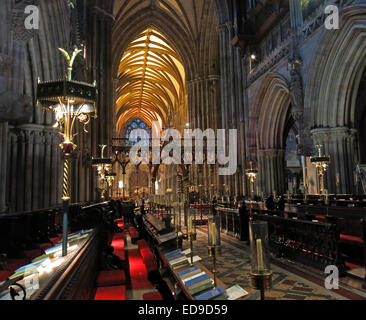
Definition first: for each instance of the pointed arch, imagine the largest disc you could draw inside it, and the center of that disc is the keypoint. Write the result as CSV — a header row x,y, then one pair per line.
x,y
336,72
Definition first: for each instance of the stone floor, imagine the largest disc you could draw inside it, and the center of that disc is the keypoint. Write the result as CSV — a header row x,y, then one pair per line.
x,y
289,282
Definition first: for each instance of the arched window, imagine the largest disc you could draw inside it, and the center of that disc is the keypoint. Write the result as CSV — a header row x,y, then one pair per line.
x,y
293,171
135,125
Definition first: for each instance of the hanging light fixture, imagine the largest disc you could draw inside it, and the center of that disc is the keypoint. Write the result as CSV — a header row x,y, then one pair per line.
x,y
71,101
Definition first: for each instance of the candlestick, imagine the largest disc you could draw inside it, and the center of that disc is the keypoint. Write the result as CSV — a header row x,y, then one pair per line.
x,y
190,227
259,255
260,274
213,233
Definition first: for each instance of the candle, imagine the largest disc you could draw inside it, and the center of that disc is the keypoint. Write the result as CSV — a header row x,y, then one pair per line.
x,y
190,225
259,254
213,233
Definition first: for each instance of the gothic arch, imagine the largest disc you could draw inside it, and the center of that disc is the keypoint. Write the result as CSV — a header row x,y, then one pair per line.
x,y
270,112
336,72
268,125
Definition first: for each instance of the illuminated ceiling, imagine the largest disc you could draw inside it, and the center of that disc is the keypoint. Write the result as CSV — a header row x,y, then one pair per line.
x,y
151,82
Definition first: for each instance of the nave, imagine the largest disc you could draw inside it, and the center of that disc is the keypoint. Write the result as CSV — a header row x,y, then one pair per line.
x,y
247,120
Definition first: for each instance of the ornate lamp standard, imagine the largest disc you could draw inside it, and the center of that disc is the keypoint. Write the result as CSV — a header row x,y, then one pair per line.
x,y
104,166
121,156
321,163
71,101
252,175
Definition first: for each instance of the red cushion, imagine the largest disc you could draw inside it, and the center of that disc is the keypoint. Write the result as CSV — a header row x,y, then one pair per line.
x,y
4,275
117,236
120,253
142,244
132,229
351,238
111,278
151,266
118,244
152,296
111,293
134,234
146,253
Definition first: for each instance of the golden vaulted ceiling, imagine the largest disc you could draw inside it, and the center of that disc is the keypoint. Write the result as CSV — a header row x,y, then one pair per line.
x,y
152,74
151,81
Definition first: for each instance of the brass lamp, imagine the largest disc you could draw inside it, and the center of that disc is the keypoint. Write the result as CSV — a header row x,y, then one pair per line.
x,y
110,178
252,175
321,163
104,166
72,102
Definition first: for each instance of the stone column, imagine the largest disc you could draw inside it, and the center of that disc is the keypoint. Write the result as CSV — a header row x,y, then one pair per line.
x,y
340,144
296,16
271,171
3,164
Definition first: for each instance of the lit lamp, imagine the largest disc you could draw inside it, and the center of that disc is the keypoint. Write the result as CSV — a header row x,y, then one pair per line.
x,y
261,274
214,241
110,178
252,176
72,102
252,58
103,165
321,163
120,187
169,192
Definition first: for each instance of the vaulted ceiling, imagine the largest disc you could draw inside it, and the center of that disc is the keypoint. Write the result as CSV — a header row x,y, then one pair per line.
x,y
158,45
151,80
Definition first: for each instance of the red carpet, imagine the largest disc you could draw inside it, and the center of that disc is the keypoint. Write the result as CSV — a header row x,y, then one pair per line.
x,y
118,244
138,271
111,293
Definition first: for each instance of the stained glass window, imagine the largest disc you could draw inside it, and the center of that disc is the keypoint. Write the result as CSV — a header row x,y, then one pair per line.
x,y
135,125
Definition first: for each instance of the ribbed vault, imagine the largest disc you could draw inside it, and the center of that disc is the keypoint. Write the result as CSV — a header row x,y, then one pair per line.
x,y
151,82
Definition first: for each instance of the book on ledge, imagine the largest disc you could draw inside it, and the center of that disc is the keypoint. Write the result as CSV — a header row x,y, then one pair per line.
x,y
174,257
180,264
199,284
166,237
196,280
186,273
200,273
211,294
177,259
203,287
174,252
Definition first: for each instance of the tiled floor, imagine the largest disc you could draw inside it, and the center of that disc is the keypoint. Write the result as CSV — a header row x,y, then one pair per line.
x,y
234,266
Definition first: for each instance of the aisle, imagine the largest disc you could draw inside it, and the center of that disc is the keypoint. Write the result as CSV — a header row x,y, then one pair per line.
x,y
138,283
288,283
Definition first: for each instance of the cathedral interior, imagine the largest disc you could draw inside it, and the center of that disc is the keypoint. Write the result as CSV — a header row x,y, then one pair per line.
x,y
109,112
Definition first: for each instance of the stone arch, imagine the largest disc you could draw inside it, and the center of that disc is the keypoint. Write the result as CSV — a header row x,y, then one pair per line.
x,y
269,118
337,69
331,93
272,102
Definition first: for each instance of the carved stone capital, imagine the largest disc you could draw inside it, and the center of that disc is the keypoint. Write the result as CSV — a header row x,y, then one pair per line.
x,y
320,135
